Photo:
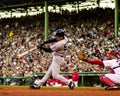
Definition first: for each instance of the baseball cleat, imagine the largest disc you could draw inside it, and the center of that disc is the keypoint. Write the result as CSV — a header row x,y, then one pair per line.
x,y
34,86
71,85
112,88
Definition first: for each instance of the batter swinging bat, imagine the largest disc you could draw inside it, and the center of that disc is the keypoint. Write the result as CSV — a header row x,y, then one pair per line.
x,y
26,52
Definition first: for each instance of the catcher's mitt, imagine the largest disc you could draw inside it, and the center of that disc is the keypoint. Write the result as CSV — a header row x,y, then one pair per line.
x,y
81,55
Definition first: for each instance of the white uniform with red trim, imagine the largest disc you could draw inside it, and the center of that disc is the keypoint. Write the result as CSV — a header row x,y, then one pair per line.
x,y
58,49
114,64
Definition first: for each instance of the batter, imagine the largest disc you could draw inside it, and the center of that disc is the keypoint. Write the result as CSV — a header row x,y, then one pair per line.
x,y
58,48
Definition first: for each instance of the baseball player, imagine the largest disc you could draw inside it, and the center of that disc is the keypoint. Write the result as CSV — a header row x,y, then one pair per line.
x,y
58,48
75,77
112,80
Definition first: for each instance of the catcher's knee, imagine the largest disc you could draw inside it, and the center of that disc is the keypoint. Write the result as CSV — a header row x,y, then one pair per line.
x,y
106,80
102,77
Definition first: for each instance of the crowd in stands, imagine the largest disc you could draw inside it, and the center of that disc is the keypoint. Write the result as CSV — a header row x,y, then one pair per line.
x,y
89,30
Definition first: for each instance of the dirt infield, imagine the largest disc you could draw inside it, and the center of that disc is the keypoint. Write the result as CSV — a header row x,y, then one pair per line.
x,y
25,91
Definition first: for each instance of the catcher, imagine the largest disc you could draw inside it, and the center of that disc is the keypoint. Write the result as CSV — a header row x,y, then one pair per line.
x,y
111,80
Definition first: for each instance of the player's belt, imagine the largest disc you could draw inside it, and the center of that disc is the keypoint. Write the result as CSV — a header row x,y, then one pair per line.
x,y
116,67
59,55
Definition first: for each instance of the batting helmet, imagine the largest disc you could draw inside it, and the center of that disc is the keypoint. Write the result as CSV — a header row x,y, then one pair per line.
x,y
59,32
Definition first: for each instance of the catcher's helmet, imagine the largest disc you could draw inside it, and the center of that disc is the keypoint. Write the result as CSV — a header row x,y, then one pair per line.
x,y
59,32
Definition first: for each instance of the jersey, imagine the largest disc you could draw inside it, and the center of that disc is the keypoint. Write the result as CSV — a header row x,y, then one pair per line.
x,y
59,48
75,76
113,64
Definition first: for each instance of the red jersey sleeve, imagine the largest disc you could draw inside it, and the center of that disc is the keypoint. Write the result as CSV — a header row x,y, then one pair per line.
x,y
98,62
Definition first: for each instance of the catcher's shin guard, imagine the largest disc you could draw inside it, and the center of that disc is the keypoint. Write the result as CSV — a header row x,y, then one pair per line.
x,y
106,81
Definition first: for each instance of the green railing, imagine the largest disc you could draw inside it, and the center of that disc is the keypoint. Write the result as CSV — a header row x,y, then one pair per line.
x,y
82,76
5,78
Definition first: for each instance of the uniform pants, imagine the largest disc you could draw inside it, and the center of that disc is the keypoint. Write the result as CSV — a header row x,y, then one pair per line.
x,y
54,71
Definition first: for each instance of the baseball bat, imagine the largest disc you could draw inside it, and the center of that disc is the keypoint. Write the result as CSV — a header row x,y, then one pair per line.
x,y
26,52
